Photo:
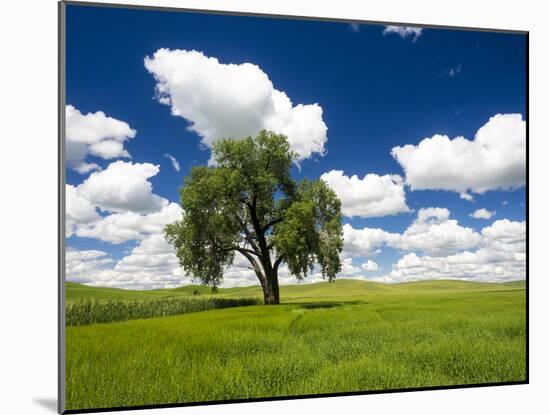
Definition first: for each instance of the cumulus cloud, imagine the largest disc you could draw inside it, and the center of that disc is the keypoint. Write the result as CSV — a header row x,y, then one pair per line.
x,y
501,257
441,249
175,163
127,226
96,134
363,242
369,266
241,273
437,242
152,264
117,205
482,214
78,210
432,232
494,160
124,196
83,265
123,186
233,101
435,234
433,215
404,31
371,196
467,196
505,236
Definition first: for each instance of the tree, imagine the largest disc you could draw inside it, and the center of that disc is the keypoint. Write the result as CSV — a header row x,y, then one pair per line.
x,y
248,203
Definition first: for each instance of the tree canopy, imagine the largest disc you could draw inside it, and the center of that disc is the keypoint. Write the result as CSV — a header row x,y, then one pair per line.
x,y
248,203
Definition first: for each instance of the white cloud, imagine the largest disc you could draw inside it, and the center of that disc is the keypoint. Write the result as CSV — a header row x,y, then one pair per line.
x,y
153,264
122,190
123,186
78,210
83,265
433,215
363,242
431,233
467,196
404,31
501,257
494,160
241,274
505,236
96,134
175,163
150,265
348,269
122,227
435,234
84,168
233,101
482,214
371,196
369,266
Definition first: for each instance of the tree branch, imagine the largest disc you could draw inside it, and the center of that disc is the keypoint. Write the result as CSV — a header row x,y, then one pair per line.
x,y
277,263
247,253
265,258
255,267
270,224
240,249
249,237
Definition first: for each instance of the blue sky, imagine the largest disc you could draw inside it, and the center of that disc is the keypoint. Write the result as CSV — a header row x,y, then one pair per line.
x,y
377,89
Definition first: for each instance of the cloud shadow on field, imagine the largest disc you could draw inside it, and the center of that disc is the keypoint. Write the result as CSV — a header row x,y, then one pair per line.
x,y
327,304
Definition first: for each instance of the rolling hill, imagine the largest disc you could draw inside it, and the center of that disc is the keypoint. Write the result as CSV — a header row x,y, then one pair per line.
x,y
337,289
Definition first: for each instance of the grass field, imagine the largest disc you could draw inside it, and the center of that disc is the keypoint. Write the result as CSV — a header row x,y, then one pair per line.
x,y
324,338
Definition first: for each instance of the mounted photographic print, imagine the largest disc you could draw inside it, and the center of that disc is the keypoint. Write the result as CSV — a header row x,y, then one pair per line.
x,y
265,207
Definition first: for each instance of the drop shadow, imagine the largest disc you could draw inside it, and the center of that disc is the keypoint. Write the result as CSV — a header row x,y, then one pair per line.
x,y
48,403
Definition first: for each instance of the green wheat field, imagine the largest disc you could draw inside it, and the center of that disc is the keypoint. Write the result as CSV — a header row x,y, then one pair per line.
x,y
188,345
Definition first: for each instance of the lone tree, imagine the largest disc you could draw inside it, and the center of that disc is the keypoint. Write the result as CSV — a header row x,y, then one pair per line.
x,y
248,203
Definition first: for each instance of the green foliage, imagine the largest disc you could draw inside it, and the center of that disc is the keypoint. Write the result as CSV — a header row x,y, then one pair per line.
x,y
340,337
249,203
312,231
90,311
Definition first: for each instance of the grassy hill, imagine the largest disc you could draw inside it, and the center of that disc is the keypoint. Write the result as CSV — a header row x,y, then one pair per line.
x,y
326,338
76,291
338,289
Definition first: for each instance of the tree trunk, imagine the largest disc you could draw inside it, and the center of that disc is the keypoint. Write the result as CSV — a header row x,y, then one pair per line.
x,y
271,289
